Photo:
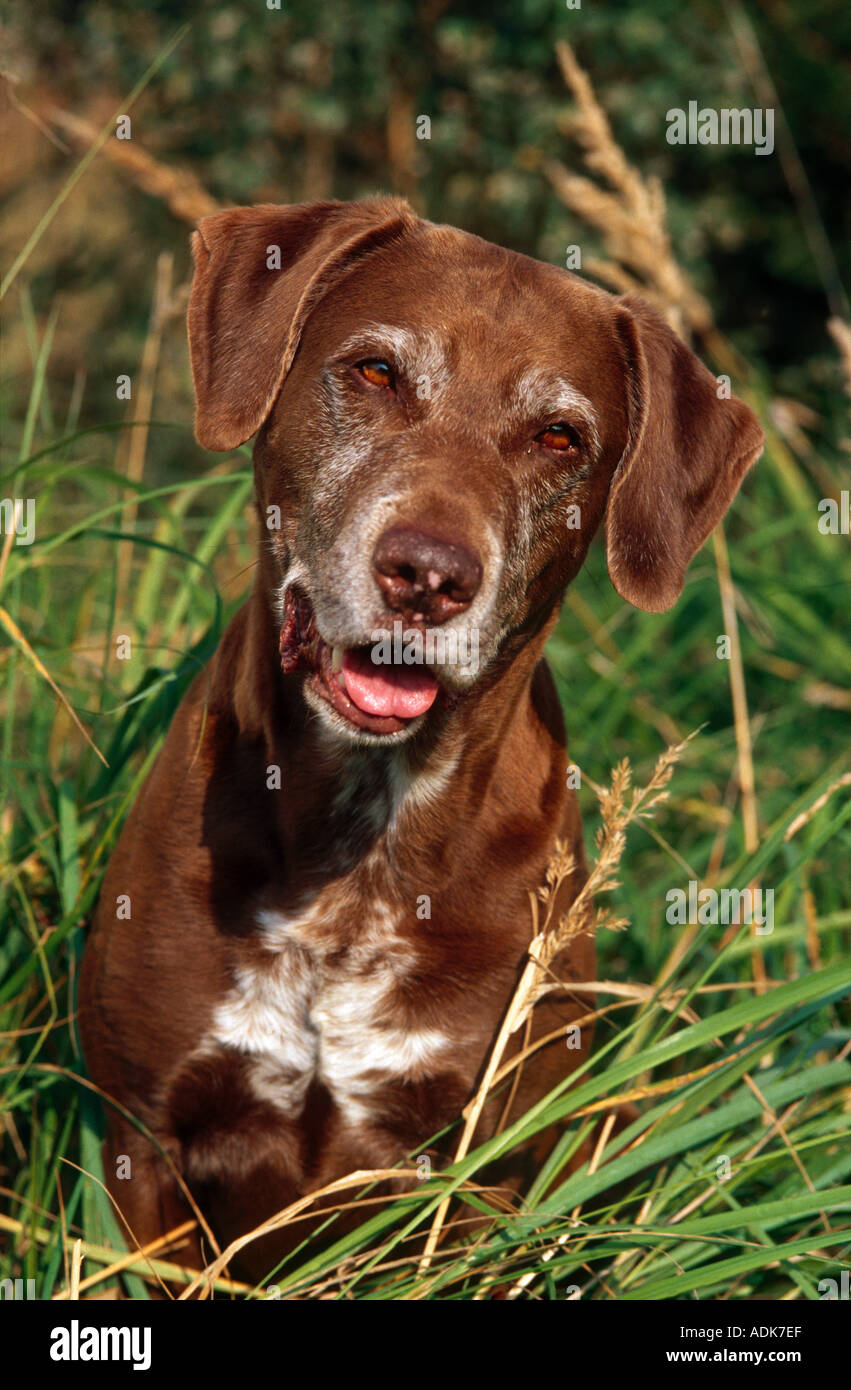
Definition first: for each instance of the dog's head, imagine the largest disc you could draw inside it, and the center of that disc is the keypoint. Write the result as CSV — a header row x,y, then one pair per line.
x,y
443,425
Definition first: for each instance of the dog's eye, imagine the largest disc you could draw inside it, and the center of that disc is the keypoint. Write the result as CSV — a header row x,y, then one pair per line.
x,y
377,373
561,437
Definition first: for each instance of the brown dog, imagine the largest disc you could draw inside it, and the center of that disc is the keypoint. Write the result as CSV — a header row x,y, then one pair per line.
x,y
328,868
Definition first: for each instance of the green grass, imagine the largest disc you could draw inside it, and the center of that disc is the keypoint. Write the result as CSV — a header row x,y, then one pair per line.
x,y
712,1075
628,685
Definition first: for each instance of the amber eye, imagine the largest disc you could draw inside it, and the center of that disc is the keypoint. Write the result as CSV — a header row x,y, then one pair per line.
x,y
560,437
377,373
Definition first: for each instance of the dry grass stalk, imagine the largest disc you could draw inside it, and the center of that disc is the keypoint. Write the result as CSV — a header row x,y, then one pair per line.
x,y
806,816
171,1240
741,720
10,80
840,332
204,1280
618,811
76,1266
657,993
181,1183
180,189
630,213
153,1271
8,622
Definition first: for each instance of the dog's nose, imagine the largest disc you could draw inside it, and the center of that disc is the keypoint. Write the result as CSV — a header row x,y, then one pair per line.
x,y
426,579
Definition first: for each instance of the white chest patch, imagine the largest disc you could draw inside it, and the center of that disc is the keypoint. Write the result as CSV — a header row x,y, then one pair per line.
x,y
308,1011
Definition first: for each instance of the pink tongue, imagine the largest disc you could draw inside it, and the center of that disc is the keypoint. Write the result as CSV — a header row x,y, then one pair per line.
x,y
403,691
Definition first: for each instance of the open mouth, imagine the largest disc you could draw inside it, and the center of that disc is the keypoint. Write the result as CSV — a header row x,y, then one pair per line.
x,y
382,698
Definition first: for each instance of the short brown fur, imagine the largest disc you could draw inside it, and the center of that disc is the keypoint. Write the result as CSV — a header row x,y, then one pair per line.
x,y
207,845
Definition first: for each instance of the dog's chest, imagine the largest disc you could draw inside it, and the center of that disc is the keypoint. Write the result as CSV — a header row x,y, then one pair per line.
x,y
308,1008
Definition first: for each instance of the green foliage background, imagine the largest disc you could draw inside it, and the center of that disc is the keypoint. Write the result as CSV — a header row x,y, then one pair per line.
x,y
317,100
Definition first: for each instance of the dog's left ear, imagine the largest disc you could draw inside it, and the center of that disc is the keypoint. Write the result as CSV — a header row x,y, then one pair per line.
x,y
687,453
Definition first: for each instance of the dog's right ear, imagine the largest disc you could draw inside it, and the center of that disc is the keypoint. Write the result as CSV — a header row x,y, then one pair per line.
x,y
258,273
689,450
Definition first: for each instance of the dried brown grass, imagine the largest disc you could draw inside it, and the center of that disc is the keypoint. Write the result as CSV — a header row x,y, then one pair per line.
x,y
552,936
630,214
840,332
178,188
